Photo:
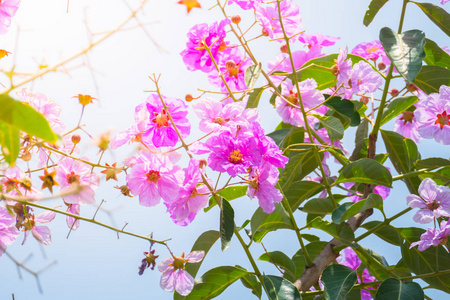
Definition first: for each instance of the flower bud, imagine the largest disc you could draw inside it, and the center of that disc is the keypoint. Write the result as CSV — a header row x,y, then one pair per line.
x,y
411,87
124,190
202,163
335,70
381,66
76,138
264,32
394,92
236,19
364,99
188,98
230,65
284,48
26,156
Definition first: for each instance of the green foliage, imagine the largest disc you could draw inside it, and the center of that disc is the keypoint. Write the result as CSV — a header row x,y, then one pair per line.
x,y
404,50
346,108
252,74
396,107
215,281
281,260
386,232
374,7
251,282
365,170
226,224
254,97
280,289
338,280
431,78
432,163
229,193
435,55
344,212
299,191
313,249
262,223
333,126
394,289
300,164
437,14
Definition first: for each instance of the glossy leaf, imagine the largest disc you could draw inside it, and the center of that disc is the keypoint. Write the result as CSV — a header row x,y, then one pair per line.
x,y
344,107
399,155
338,280
229,193
374,7
386,233
428,261
319,206
300,164
10,142
394,289
251,282
215,281
430,78
254,97
279,135
280,289
346,212
362,132
437,14
295,135
396,107
367,257
226,224
262,223
25,118
340,231
299,191
365,170
281,260
406,51
333,126
435,55
313,248
252,74
432,163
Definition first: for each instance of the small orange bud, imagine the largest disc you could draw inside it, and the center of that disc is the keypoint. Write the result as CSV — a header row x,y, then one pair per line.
x,y
381,66
364,99
335,70
284,48
394,92
84,99
236,19
264,32
76,138
411,87
26,156
188,98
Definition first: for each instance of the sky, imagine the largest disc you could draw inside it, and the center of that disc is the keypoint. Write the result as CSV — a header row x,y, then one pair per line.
x,y
92,263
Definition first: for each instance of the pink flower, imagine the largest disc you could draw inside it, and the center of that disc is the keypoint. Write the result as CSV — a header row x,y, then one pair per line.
x,y
8,9
262,183
343,68
232,66
72,222
434,116
433,237
364,79
317,39
245,4
195,56
311,97
76,178
407,126
270,20
41,233
192,197
8,230
434,201
153,177
444,1
371,50
174,276
159,129
214,115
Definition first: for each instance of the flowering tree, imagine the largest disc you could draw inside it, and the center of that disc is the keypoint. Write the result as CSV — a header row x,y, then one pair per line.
x,y
300,174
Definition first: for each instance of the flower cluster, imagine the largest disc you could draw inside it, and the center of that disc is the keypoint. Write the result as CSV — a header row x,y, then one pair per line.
x,y
8,9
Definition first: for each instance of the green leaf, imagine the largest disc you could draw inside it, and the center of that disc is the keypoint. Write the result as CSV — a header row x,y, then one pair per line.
x,y
261,223
432,163
374,7
313,249
319,206
399,156
396,107
252,74
299,191
10,142
435,55
386,233
338,281
295,135
226,224
365,170
333,126
428,261
339,212
394,289
280,289
367,257
250,281
344,107
340,231
437,14
431,78
203,243
404,50
362,132
215,281
253,97
25,118
299,165
283,261
229,193
278,135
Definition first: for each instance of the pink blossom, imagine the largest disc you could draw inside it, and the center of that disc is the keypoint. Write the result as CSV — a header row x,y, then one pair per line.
x,y
8,9
159,129
72,222
434,116
8,230
262,183
214,115
245,4
433,237
444,1
364,79
192,196
195,56
343,68
232,66
41,233
317,39
174,275
270,152
310,96
270,20
371,50
153,177
407,125
434,201
16,183
76,179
